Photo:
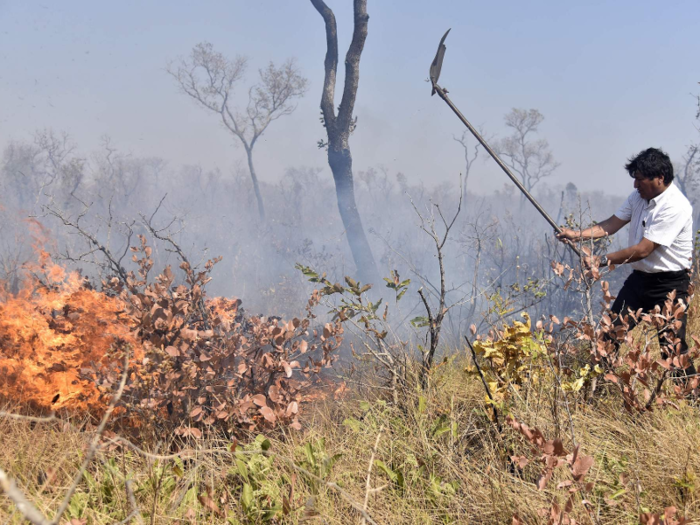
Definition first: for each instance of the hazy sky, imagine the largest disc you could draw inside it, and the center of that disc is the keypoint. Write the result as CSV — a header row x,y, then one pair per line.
x,y
611,78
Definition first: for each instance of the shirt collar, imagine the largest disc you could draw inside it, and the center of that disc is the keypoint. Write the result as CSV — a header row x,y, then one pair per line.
x,y
662,196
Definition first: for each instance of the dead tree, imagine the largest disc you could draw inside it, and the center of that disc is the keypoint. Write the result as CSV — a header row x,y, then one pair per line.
x,y
687,173
436,314
339,127
210,78
531,160
469,159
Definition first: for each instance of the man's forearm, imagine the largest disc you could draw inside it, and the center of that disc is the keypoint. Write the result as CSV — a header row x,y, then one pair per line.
x,y
631,254
594,232
597,231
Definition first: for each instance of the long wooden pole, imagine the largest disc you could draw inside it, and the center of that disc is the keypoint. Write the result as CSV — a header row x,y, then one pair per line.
x,y
443,95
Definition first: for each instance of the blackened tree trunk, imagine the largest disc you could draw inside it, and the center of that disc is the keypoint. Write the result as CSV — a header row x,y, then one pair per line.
x,y
339,126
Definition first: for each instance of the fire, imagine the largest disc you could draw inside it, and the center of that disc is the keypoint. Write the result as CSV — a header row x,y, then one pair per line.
x,y
56,326
187,351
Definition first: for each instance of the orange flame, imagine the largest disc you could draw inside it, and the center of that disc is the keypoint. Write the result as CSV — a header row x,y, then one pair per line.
x,y
50,331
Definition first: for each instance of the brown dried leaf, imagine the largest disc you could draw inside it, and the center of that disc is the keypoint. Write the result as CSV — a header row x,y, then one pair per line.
x,y
268,414
260,400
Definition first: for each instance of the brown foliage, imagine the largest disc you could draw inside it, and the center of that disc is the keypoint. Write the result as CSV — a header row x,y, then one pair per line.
x,y
206,365
550,453
637,372
198,363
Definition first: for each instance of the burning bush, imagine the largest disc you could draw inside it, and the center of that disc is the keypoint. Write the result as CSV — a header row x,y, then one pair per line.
x,y
55,327
197,363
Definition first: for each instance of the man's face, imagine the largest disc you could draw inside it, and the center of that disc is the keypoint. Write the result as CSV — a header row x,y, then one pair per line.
x,y
649,188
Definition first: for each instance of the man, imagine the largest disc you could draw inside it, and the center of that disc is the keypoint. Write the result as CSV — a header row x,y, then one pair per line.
x,y
660,241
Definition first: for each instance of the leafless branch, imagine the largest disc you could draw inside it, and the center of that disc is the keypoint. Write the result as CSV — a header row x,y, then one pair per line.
x,y
33,419
24,506
135,512
486,385
368,485
94,443
112,260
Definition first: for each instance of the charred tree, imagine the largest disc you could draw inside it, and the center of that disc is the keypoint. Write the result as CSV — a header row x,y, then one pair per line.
x,y
339,127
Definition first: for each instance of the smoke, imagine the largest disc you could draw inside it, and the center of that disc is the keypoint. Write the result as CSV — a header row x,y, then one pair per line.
x,y
499,251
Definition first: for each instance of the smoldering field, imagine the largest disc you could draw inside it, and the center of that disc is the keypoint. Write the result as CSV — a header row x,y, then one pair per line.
x,y
499,246
388,441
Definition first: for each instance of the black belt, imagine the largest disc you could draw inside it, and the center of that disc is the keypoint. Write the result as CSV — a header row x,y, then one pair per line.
x,y
662,275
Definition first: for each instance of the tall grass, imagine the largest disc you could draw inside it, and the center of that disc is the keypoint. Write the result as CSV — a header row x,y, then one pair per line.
x,y
436,459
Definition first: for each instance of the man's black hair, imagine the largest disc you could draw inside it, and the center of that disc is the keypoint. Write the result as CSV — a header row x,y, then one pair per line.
x,y
651,163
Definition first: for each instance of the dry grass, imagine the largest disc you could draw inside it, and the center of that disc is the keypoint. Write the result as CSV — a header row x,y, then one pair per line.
x,y
439,459
454,464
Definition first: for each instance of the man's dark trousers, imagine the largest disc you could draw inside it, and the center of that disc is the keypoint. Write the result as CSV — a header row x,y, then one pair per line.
x,y
647,290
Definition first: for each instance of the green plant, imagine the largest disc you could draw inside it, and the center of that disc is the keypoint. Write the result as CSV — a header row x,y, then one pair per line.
x,y
261,496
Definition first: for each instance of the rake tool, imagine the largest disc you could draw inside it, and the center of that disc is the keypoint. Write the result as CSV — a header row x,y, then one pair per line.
x,y
435,69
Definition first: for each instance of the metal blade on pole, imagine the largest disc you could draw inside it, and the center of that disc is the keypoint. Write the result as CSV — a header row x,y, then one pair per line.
x,y
435,69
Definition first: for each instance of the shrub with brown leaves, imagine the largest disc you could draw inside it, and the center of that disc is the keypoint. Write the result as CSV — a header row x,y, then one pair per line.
x,y
207,365
550,453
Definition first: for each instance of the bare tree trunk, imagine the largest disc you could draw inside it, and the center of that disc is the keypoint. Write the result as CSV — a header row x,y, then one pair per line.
x,y
256,186
341,166
339,127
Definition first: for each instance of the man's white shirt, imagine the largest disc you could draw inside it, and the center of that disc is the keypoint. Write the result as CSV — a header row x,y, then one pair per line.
x,y
666,220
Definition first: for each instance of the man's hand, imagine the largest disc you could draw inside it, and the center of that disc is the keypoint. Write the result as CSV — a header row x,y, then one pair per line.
x,y
567,234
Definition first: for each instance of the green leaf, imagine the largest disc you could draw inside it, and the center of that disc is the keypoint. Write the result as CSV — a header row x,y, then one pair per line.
x,y
310,456
242,469
328,464
439,431
422,404
308,272
382,466
420,321
618,494
247,496
441,426
353,424
400,481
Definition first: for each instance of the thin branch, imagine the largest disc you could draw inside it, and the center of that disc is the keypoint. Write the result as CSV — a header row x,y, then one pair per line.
x,y
24,506
34,419
94,444
135,512
486,385
368,486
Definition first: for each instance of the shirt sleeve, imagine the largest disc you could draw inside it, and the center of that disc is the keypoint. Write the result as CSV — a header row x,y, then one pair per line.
x,y
665,226
624,212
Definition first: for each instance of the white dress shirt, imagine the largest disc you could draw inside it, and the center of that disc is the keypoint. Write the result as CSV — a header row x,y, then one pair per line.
x,y
666,220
